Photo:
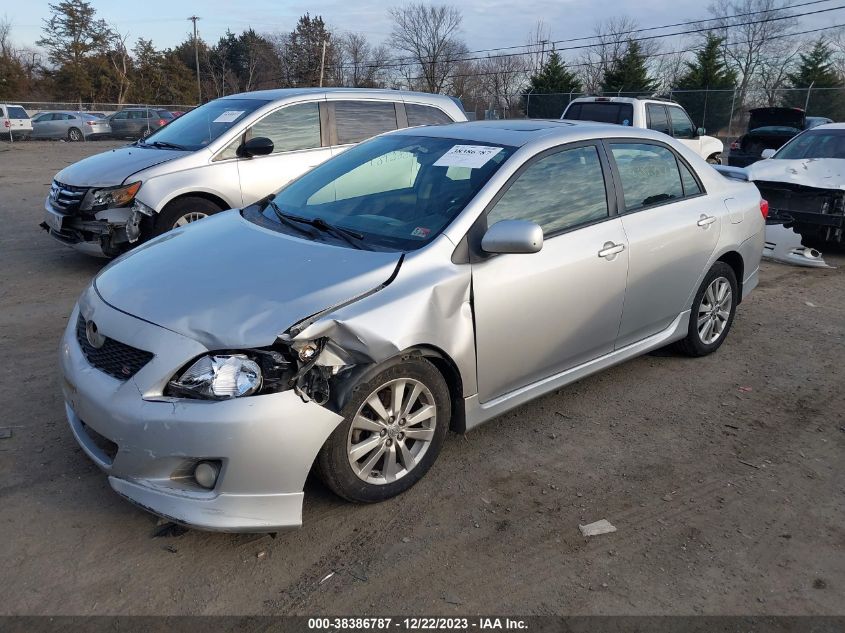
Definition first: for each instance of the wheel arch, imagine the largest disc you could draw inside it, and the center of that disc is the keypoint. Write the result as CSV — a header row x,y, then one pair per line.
x,y
734,260
207,195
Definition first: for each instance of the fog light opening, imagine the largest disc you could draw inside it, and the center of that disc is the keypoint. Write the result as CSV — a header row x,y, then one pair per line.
x,y
206,474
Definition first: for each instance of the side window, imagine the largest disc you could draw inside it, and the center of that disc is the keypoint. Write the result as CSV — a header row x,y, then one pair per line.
x,y
682,126
394,171
649,174
120,116
290,128
360,120
557,192
657,119
425,115
691,186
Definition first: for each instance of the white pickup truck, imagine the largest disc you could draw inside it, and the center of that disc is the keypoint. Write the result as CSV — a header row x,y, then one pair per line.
x,y
14,123
652,113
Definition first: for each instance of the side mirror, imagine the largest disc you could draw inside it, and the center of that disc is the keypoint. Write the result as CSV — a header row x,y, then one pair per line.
x,y
700,131
768,153
513,236
258,146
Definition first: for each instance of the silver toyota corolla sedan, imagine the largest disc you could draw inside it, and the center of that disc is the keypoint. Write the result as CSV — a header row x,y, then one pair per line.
x,y
426,280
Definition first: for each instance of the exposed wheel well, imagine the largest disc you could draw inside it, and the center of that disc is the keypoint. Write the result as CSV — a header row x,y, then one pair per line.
x,y
200,194
447,368
734,260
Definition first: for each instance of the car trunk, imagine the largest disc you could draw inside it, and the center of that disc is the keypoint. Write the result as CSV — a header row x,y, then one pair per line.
x,y
776,117
762,138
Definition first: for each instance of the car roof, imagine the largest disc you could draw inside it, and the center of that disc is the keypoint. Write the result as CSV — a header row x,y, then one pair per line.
x,y
829,126
286,93
519,132
611,99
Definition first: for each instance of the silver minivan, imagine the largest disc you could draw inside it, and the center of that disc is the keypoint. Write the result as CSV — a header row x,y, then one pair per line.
x,y
226,154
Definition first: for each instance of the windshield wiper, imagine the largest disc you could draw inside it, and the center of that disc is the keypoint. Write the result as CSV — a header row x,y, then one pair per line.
x,y
166,145
353,238
283,217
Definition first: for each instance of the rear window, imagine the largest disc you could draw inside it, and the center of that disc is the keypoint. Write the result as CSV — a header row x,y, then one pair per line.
x,y
164,114
16,112
425,115
360,120
601,112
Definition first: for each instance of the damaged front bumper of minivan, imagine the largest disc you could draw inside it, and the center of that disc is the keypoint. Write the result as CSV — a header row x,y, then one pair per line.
x,y
814,212
70,218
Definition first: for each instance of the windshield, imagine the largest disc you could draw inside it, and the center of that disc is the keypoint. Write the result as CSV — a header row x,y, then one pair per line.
x,y
396,192
197,128
815,144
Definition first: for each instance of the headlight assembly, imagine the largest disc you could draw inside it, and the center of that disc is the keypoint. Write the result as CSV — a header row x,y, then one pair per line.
x,y
99,199
219,377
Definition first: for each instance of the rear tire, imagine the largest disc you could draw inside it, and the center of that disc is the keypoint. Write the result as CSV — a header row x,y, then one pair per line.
x,y
715,159
74,135
391,446
183,211
712,313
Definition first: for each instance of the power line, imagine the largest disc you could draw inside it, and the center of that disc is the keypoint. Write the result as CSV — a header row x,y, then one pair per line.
x,y
637,39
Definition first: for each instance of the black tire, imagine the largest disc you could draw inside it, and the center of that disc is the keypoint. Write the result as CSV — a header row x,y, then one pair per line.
x,y
179,208
715,159
74,135
692,344
333,465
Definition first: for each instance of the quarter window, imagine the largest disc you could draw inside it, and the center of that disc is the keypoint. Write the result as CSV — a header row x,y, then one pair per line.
x,y
682,126
657,119
691,186
557,192
649,174
425,115
292,128
359,120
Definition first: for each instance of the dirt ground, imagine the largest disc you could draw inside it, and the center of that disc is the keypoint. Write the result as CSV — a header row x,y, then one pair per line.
x,y
724,476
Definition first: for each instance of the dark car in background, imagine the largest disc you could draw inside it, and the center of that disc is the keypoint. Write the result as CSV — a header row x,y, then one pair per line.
x,y
769,128
138,122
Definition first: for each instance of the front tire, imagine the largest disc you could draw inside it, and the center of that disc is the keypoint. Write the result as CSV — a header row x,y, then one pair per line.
x,y
715,159
183,211
712,313
394,427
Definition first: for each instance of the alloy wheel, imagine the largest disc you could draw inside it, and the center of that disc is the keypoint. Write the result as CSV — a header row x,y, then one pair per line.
x,y
187,218
391,431
75,135
714,311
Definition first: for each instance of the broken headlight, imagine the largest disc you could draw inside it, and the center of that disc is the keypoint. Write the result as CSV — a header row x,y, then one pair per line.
x,y
219,377
99,199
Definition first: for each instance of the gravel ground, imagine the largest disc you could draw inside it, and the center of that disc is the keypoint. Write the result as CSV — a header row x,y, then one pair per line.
x,y
723,475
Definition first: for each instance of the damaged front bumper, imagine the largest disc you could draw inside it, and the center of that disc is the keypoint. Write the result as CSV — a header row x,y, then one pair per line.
x,y
105,233
149,444
813,212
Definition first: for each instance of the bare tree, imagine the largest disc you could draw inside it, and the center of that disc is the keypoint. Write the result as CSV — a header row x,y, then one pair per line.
x,y
429,35
121,62
749,40
363,65
502,81
668,69
611,42
538,41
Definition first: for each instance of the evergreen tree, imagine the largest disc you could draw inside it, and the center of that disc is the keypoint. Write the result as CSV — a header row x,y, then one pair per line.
x,y
710,83
816,69
628,74
548,92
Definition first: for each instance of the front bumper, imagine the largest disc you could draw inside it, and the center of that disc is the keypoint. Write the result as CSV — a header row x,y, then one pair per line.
x,y
104,236
266,444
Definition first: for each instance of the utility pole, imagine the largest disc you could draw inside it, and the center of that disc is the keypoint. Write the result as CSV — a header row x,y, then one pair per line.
x,y
322,63
194,19
543,53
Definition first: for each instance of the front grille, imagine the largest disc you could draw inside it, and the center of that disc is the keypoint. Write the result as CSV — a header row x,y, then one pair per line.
x,y
114,358
66,198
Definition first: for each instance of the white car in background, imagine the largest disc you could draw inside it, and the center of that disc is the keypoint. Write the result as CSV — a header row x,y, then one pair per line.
x,y
225,154
652,113
14,123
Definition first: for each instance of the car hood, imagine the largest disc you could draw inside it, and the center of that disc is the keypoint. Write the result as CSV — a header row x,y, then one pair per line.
x,y
113,167
229,283
779,117
822,173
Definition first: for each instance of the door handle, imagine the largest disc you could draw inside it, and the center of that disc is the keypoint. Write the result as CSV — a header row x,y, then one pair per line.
x,y
609,250
706,220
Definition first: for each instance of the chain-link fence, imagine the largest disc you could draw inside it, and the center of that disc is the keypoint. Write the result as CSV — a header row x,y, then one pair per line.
x,y
723,113
35,107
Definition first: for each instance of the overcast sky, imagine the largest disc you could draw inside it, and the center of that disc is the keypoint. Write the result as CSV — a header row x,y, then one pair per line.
x,y
487,23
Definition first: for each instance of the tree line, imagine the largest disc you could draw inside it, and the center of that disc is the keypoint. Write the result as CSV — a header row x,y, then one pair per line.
x,y
739,62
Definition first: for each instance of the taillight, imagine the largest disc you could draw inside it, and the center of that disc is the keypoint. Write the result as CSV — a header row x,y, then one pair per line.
x,y
764,208
162,122
91,122
7,123
735,145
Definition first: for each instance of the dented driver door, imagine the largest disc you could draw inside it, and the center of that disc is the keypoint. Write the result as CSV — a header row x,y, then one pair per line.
x,y
539,314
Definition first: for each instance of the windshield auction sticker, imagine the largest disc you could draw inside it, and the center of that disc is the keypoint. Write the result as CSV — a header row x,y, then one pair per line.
x,y
472,156
228,116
